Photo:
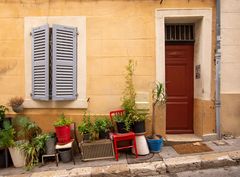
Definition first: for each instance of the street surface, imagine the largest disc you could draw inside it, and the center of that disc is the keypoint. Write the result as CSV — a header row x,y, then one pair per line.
x,y
233,171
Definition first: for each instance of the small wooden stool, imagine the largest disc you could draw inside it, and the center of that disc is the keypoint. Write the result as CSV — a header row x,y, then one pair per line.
x,y
51,155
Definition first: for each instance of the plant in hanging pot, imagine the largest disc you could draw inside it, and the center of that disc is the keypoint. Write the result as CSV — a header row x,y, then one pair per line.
x,y
86,128
62,128
155,142
17,104
102,126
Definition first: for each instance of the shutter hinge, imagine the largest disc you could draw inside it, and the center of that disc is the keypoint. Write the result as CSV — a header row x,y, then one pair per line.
x,y
30,33
77,33
76,94
31,94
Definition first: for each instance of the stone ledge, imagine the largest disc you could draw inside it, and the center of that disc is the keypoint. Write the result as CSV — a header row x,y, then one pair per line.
x,y
179,164
216,160
111,171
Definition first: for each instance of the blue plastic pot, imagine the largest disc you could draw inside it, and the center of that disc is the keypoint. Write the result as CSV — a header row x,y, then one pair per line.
x,y
155,145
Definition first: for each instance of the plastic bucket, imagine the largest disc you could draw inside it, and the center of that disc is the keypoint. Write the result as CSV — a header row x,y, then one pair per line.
x,y
155,145
63,134
50,146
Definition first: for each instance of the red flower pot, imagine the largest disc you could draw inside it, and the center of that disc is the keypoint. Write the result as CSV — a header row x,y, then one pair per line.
x,y
63,134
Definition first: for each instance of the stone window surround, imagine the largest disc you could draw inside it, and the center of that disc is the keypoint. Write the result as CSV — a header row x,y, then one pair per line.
x,y
202,87
76,21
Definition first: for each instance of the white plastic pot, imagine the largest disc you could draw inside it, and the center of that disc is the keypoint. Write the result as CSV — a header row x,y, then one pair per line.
x,y
142,146
18,157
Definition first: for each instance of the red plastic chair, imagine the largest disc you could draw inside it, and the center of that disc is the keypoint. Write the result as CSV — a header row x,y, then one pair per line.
x,y
122,137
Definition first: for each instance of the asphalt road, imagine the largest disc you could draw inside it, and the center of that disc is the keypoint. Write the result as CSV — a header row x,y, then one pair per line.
x,y
233,171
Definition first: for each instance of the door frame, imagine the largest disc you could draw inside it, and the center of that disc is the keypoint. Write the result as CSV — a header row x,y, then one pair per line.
x,y
201,18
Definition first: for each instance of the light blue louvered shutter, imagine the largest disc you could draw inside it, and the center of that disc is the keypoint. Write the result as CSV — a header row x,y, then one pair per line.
x,y
64,63
40,63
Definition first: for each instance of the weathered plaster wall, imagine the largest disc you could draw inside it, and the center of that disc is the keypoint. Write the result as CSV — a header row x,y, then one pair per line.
x,y
230,85
116,32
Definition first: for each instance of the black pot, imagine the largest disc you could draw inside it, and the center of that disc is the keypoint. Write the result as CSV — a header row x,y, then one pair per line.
x,y
86,137
5,158
103,135
121,128
50,146
139,127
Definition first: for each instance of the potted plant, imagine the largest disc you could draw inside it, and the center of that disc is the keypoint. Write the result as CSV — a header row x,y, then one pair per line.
x,y
25,150
102,126
132,115
155,141
33,149
17,104
62,128
3,110
50,143
139,122
7,140
86,128
123,123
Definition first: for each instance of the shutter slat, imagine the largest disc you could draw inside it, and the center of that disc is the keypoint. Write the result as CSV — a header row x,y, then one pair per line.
x,y
64,63
40,63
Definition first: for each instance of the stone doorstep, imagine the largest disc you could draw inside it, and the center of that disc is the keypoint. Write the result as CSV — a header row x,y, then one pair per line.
x,y
169,165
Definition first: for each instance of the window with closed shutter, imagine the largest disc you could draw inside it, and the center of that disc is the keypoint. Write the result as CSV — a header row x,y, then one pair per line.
x,y
40,63
54,59
64,63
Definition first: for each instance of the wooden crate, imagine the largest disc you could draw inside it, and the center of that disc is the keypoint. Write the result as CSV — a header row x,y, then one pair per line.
x,y
100,149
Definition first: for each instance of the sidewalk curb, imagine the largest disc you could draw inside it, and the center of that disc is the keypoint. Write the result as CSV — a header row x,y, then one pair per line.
x,y
168,165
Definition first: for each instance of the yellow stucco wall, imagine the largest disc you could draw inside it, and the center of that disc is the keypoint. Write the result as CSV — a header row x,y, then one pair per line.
x,y
117,31
230,72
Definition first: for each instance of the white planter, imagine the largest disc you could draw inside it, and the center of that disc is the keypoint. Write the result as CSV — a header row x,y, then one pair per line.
x,y
18,157
142,146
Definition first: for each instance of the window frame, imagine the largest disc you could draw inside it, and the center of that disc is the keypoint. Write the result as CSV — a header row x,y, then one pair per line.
x,y
80,23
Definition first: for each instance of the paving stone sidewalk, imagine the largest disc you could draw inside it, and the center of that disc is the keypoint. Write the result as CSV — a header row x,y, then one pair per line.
x,y
226,155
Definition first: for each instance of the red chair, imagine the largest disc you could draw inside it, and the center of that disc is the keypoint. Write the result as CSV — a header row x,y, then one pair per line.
x,y
122,137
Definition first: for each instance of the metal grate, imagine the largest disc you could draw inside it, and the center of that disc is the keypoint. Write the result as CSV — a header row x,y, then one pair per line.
x,y
101,149
179,32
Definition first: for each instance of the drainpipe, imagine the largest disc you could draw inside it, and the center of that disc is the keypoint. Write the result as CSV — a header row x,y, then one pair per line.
x,y
218,69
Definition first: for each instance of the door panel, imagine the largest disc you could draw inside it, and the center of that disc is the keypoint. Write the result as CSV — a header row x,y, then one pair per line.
x,y
179,88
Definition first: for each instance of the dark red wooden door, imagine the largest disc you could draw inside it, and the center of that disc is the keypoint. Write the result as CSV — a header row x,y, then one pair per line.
x,y
179,88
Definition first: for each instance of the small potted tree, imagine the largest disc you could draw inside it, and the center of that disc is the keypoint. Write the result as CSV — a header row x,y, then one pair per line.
x,y
102,126
17,104
155,141
62,128
86,128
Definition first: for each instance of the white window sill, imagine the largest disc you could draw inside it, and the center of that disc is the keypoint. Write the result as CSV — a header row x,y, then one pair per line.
x,y
80,103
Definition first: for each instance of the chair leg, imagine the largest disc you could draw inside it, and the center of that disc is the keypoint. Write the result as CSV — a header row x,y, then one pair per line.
x,y
135,147
72,156
56,158
115,149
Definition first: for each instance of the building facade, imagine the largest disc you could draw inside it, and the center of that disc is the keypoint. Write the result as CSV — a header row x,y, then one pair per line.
x,y
230,30
170,41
